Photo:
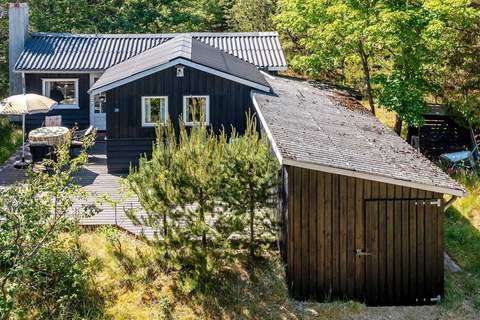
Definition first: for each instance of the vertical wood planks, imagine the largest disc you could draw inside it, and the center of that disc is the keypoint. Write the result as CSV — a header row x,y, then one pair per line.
x,y
359,239
297,240
351,222
330,216
328,235
312,233
305,232
320,235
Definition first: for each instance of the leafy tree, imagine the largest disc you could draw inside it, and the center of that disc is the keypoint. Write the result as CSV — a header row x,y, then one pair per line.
x,y
33,214
252,15
250,180
330,35
405,88
454,37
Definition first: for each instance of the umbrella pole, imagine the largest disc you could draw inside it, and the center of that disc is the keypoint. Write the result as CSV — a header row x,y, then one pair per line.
x,y
23,138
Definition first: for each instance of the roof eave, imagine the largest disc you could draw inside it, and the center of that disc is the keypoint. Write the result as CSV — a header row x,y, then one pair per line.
x,y
373,177
174,62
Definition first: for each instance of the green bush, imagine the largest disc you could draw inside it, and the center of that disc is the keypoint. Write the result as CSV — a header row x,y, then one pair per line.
x,y
57,285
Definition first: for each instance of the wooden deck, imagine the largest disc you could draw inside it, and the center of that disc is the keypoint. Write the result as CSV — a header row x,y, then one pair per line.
x,y
99,183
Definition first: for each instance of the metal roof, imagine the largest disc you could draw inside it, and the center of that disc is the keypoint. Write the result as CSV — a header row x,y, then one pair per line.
x,y
319,128
98,52
185,50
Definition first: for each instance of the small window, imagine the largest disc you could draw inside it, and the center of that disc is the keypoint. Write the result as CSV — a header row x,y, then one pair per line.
x,y
64,91
154,109
195,107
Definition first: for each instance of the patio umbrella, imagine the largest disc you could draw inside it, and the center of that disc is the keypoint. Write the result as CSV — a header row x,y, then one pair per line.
x,y
22,105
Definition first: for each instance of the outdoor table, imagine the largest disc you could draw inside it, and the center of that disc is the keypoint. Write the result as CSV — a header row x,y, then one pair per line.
x,y
54,136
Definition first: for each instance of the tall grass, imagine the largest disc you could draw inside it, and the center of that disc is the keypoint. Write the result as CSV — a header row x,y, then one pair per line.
x,y
462,242
10,138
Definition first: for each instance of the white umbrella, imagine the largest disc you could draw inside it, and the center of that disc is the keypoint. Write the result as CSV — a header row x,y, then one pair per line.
x,y
24,104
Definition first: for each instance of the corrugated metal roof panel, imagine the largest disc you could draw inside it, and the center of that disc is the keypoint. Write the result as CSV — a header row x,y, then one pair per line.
x,y
84,52
182,46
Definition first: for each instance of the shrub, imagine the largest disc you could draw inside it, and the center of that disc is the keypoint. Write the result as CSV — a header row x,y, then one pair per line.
x,y
33,215
57,285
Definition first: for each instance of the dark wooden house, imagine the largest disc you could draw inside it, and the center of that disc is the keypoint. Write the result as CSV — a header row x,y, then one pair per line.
x,y
123,84
361,210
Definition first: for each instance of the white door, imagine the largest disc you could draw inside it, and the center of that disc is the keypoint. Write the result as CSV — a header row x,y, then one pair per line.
x,y
98,116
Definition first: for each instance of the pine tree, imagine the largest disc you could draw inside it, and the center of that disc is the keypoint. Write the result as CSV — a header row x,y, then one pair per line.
x,y
250,183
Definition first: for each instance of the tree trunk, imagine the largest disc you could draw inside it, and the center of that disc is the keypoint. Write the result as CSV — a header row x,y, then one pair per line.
x,y
366,76
398,124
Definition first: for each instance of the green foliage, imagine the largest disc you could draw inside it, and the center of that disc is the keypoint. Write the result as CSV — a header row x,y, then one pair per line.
x,y
10,139
250,180
33,214
252,15
179,187
416,52
58,284
200,192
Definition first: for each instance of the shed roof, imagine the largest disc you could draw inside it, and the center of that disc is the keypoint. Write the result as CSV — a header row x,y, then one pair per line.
x,y
97,52
317,127
185,50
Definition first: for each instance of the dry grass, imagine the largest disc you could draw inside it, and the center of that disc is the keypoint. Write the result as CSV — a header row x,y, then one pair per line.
x,y
134,287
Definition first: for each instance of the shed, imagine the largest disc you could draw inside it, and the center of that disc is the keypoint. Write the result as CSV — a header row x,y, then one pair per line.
x,y
360,209
439,134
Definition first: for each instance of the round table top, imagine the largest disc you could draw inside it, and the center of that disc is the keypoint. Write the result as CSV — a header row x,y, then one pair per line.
x,y
51,135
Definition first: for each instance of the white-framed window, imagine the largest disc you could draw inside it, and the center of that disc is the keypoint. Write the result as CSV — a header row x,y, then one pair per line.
x,y
195,107
64,91
154,109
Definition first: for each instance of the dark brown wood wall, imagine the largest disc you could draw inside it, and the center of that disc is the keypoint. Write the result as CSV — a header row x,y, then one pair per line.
x,y
326,221
127,139
70,117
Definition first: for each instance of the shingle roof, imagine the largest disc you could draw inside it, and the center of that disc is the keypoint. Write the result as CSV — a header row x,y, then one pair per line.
x,y
98,52
187,49
321,128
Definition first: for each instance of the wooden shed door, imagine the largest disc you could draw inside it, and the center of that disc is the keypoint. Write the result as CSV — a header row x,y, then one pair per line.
x,y
403,252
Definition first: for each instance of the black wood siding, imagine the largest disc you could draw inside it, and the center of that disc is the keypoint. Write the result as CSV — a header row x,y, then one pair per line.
x,y
70,117
127,139
327,217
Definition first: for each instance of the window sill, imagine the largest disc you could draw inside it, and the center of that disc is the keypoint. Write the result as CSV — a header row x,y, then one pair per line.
x,y
65,107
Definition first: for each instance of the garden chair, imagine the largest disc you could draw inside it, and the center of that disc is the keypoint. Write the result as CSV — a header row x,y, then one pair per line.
x,y
53,121
78,139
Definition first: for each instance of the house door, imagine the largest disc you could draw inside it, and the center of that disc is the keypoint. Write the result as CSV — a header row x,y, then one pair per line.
x,y
403,253
98,116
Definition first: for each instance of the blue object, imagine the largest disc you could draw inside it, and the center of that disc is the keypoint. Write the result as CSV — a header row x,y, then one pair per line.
x,y
457,156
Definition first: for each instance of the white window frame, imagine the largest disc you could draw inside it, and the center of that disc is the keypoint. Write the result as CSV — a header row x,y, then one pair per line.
x,y
152,124
58,105
207,109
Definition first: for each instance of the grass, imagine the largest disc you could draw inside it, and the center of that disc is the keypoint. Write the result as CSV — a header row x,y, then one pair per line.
x,y
135,287
388,119
462,242
10,139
